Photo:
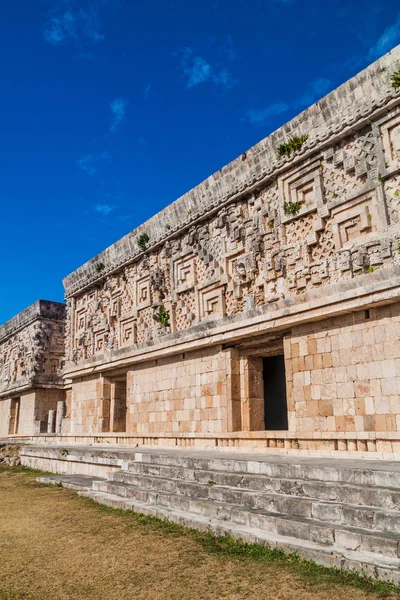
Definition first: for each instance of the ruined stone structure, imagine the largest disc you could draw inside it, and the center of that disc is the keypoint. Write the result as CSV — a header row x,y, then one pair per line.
x,y
262,308
31,362
258,312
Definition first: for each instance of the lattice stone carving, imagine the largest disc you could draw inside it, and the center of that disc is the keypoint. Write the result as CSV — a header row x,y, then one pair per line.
x,y
145,325
325,246
185,310
392,193
348,164
391,141
297,231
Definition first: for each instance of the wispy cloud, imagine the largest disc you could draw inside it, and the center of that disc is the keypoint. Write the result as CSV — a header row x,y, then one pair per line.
x,y
197,70
228,48
262,115
118,110
313,92
104,209
147,90
88,162
70,26
389,38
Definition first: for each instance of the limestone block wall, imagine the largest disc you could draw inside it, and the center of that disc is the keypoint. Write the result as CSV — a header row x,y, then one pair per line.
x,y
86,406
5,407
188,393
26,418
344,374
181,394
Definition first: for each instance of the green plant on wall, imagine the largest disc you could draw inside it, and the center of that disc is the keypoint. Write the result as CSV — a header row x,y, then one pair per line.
x,y
162,316
395,79
100,267
291,209
295,143
142,241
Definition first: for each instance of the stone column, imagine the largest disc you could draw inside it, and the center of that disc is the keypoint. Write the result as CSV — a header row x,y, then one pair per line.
x,y
51,421
59,415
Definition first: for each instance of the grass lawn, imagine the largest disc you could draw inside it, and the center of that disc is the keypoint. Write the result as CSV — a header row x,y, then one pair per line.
x,y
55,545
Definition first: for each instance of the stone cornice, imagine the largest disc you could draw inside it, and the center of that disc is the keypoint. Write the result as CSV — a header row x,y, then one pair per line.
x,y
344,109
44,309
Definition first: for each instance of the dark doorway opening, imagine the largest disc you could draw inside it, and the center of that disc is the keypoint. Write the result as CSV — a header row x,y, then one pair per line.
x,y
275,401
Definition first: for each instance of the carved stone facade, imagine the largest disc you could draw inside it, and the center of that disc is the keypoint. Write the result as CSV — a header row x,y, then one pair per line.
x,y
169,331
31,364
182,325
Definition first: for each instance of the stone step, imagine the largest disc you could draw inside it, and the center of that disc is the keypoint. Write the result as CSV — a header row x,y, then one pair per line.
x,y
328,470
322,531
362,559
380,497
301,506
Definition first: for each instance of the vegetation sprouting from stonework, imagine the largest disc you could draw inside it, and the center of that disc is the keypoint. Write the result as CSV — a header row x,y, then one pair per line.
x,y
100,267
395,79
162,316
143,240
295,143
292,208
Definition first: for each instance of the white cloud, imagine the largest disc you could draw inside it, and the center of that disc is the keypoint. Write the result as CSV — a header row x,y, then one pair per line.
x,y
262,115
147,90
197,70
118,111
104,209
312,93
389,38
87,163
70,26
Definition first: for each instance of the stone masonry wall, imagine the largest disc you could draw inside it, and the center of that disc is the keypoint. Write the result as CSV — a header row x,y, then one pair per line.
x,y
180,394
344,374
5,405
27,413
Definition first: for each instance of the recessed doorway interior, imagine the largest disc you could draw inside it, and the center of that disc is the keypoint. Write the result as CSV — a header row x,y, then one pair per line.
x,y
275,400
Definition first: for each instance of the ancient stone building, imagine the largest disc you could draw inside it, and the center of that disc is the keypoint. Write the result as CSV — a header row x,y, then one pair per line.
x,y
261,310
31,361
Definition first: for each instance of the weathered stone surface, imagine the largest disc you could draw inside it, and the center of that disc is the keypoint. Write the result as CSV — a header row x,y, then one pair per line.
x,y
31,363
295,256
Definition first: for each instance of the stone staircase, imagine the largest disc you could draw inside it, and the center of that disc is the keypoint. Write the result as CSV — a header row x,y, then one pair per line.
x,y
340,513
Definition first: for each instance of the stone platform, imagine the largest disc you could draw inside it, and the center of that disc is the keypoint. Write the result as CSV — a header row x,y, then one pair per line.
x,y
340,513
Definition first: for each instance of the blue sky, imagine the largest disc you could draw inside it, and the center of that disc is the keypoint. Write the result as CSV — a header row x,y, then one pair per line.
x,y
111,109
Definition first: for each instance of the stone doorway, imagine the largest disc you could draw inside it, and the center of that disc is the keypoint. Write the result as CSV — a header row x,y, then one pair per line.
x,y
275,400
14,416
118,404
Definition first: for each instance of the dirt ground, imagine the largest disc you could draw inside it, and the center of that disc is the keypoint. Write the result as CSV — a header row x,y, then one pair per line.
x,y
55,545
